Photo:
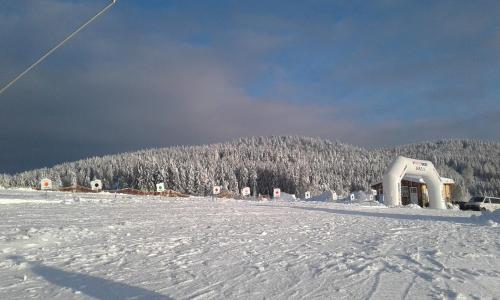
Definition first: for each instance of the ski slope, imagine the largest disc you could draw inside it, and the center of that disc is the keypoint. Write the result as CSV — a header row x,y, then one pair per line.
x,y
106,246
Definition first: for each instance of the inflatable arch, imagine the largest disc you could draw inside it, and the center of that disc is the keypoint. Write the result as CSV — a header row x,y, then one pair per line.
x,y
423,168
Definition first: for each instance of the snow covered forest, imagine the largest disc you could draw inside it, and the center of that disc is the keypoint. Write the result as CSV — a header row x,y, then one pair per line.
x,y
295,164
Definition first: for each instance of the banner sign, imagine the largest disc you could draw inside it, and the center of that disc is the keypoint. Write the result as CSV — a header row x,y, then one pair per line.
x,y
46,184
245,191
96,185
216,190
419,166
160,187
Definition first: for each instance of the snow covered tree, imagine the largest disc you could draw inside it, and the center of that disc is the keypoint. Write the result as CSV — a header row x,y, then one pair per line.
x,y
295,164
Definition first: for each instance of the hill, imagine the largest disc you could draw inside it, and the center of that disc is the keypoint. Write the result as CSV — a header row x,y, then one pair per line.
x,y
295,164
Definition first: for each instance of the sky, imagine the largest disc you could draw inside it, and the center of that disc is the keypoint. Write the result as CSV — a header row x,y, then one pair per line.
x,y
156,73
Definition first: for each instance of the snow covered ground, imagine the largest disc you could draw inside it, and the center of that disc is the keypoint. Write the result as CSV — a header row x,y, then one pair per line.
x,y
102,246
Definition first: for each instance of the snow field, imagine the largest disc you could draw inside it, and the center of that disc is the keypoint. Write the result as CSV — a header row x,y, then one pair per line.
x,y
105,246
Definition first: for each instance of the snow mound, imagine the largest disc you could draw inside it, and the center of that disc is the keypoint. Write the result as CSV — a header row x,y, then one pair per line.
x,y
491,218
287,197
328,196
412,206
361,198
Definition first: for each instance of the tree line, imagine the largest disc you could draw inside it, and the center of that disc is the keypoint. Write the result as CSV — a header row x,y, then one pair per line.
x,y
295,164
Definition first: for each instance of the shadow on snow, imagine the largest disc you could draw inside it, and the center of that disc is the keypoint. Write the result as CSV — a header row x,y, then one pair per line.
x,y
419,217
98,288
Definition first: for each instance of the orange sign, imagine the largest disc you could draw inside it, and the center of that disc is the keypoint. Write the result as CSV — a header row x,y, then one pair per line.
x,y
46,184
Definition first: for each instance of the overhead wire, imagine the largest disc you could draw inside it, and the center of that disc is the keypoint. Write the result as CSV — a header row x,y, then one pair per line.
x,y
41,59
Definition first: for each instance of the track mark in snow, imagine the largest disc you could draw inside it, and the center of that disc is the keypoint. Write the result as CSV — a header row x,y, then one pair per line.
x,y
406,292
204,291
374,287
181,246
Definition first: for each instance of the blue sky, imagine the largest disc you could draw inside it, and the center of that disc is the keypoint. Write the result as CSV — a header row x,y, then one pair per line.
x,y
159,73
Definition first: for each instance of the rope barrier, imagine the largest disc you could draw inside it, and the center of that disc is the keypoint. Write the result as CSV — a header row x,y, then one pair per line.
x,y
56,47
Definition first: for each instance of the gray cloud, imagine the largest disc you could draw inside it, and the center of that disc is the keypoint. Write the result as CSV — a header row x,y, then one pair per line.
x,y
117,88
484,126
156,93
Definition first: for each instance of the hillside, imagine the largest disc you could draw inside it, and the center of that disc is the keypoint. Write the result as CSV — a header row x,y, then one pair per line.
x,y
295,164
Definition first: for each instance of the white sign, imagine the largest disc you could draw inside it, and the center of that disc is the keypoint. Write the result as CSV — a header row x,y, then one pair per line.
x,y
46,184
245,191
334,196
307,195
374,192
160,187
276,193
96,185
371,197
216,190
352,197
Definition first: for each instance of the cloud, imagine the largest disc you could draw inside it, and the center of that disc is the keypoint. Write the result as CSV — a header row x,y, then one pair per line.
x,y
155,93
141,78
483,126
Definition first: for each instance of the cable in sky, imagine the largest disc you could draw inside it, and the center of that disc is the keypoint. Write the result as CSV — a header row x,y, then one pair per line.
x,y
56,47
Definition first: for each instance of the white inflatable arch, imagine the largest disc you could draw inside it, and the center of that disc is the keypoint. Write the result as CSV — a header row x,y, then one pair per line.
x,y
423,168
